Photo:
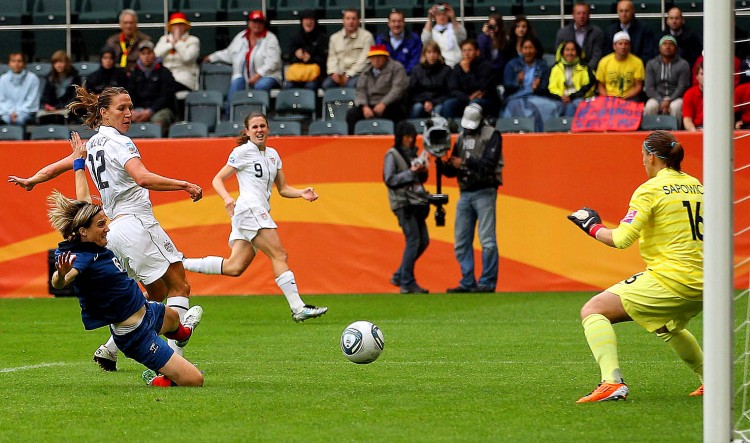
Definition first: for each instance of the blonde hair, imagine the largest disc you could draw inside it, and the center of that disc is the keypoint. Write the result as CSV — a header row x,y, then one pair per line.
x,y
93,104
67,215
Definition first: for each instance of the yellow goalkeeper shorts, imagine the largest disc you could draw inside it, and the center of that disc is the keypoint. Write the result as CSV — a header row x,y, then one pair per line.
x,y
652,306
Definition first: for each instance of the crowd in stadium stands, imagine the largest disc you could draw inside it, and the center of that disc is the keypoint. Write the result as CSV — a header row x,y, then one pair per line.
x,y
397,74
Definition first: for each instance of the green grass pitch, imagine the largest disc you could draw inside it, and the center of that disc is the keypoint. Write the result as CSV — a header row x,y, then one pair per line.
x,y
469,367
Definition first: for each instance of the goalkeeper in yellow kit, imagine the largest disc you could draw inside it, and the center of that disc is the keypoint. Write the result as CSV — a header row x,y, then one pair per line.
x,y
665,218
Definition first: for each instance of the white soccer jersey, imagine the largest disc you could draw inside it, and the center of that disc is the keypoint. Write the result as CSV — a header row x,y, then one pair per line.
x,y
108,151
256,172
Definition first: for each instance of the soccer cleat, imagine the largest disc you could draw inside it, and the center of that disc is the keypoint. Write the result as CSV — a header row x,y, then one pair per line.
x,y
460,290
606,392
308,311
192,318
148,376
698,392
105,359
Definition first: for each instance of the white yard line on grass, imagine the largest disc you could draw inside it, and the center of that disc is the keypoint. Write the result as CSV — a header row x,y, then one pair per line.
x,y
30,367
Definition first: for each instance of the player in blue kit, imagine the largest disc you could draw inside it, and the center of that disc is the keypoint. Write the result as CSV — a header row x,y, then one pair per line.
x,y
107,295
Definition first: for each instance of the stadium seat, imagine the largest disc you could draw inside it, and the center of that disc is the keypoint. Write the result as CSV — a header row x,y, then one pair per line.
x,y
487,7
295,104
41,69
85,68
247,101
291,9
100,11
48,12
240,9
228,129
215,77
373,126
50,132
603,6
12,12
144,130
322,127
11,133
558,124
204,107
84,131
542,7
654,122
515,124
336,103
199,10
549,59
149,11
188,130
285,127
419,123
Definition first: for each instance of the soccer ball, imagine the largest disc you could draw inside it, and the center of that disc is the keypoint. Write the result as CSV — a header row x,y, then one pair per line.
x,y
362,342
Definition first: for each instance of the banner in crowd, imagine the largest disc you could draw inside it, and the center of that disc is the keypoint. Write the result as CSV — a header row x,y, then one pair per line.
x,y
601,114
348,241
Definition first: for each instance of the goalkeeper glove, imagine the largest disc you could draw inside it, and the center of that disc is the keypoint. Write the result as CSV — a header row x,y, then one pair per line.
x,y
588,220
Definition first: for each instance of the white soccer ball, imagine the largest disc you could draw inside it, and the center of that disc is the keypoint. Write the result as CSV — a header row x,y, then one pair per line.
x,y
362,342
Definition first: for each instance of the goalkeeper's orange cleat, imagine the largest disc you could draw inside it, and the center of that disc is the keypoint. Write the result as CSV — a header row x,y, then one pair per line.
x,y
606,392
698,392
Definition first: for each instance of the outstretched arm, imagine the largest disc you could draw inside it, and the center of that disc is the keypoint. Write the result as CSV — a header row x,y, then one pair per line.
x,y
65,272
155,182
289,192
79,167
45,174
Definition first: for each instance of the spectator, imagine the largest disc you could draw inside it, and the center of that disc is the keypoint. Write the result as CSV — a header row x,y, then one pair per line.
x,y
403,46
404,173
570,80
255,56
470,82
428,82
590,38
692,103
108,74
347,52
443,28
688,42
520,28
309,46
19,92
527,81
667,79
737,70
59,89
742,108
492,42
127,41
381,89
152,89
477,163
179,52
621,74
642,41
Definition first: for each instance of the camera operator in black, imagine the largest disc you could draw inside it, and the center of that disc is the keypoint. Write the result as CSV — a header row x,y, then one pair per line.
x,y
404,173
477,162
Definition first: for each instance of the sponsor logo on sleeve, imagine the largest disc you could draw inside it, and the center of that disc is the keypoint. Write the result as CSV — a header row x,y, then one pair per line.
x,y
629,217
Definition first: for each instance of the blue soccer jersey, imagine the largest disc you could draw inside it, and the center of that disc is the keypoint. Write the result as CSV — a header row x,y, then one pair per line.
x,y
105,292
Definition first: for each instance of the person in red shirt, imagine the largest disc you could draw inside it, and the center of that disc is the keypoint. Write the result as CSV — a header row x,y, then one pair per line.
x,y
692,102
742,106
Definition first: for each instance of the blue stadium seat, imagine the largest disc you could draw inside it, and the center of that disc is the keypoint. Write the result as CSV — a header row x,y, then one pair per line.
x,y
337,102
322,127
100,11
515,124
13,12
204,107
50,132
373,126
247,101
8,133
285,127
188,130
144,130
228,129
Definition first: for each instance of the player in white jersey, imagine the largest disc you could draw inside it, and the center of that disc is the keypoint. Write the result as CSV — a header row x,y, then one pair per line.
x,y
136,237
258,168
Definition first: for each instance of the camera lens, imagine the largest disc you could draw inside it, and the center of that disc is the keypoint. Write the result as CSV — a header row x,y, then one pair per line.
x,y
491,27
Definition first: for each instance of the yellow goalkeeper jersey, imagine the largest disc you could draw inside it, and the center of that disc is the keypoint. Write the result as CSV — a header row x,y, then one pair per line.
x,y
665,216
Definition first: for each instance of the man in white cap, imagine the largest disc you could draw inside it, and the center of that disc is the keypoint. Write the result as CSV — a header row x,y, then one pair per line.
x,y
477,162
621,74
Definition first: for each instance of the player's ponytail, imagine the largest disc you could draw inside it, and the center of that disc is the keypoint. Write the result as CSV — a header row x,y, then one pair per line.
x,y
665,146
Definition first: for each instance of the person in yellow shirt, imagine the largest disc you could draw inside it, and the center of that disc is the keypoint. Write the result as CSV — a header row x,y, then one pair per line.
x,y
621,74
665,218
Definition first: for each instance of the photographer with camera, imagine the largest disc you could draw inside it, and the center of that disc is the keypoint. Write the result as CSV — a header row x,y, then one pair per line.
x,y
404,172
443,28
477,162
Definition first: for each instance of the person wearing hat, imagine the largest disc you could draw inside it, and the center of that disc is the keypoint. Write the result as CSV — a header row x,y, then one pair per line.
x,y
667,79
404,173
642,40
255,56
309,46
179,52
152,89
620,74
126,42
443,27
347,52
477,163
381,89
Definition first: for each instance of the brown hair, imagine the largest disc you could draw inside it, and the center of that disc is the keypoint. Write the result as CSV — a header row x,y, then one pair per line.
x,y
93,104
431,45
243,138
60,56
67,215
665,146
501,35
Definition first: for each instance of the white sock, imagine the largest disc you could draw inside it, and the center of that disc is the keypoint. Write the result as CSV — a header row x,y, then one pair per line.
x,y
111,346
289,287
181,305
205,265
